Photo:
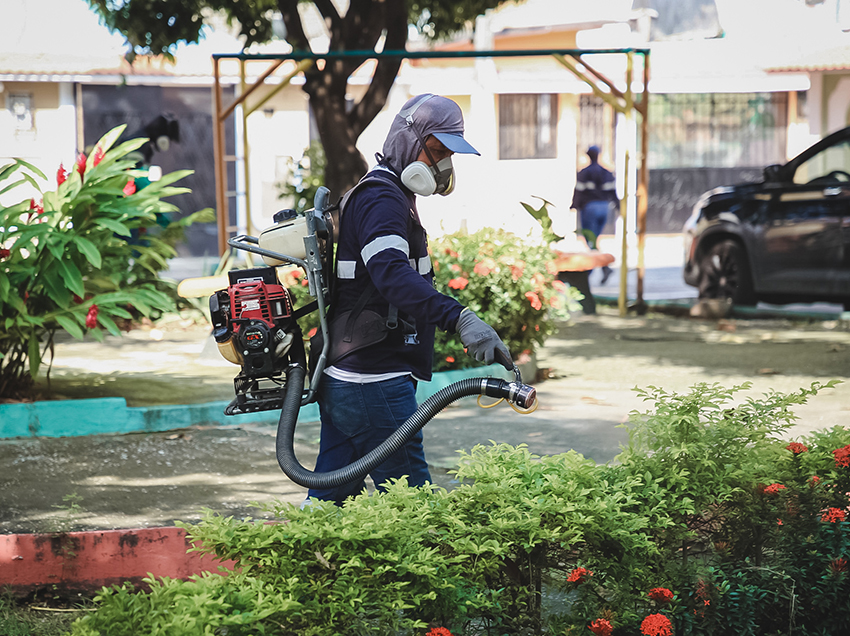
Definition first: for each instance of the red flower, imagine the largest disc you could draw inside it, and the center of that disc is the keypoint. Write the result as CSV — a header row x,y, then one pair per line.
x,y
661,594
451,252
130,188
37,208
312,332
842,457
601,627
450,359
458,283
814,480
439,631
656,625
81,164
61,175
579,575
4,253
837,566
833,515
773,489
517,270
91,317
481,269
797,448
534,299
97,156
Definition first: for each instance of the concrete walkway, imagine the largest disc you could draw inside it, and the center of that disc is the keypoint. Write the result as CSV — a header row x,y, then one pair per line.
x,y
590,368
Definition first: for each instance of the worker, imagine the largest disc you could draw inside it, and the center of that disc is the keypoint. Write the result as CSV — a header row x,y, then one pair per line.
x,y
594,195
384,308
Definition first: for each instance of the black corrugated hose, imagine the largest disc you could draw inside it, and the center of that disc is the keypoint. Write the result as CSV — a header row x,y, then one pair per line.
x,y
493,387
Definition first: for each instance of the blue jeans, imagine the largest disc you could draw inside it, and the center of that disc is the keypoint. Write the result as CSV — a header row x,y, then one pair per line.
x,y
594,216
357,418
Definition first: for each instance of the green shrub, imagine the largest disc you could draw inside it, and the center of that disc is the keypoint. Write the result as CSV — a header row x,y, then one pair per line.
x,y
83,257
509,282
681,534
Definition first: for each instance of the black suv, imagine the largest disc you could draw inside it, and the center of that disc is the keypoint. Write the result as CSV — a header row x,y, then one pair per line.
x,y
786,239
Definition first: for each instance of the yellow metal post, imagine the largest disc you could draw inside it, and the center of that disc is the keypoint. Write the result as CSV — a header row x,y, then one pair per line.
x,y
624,202
221,211
246,168
643,186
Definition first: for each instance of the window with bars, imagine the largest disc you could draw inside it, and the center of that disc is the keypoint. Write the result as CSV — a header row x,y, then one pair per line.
x,y
717,130
528,126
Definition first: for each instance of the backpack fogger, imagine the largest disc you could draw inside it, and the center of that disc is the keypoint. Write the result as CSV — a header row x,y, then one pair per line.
x,y
256,326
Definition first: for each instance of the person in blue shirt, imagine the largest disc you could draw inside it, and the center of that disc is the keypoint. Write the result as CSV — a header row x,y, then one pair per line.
x,y
384,308
594,194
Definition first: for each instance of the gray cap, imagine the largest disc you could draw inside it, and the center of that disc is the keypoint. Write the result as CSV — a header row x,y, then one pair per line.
x,y
429,115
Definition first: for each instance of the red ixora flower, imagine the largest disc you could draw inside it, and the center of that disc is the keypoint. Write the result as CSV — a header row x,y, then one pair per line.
x,y
61,175
579,575
534,299
773,489
837,566
797,448
601,627
656,625
833,515
661,594
130,188
4,253
842,457
439,631
458,283
450,359
81,164
91,317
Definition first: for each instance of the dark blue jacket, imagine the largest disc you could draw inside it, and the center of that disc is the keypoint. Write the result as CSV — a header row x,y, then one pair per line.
x,y
594,183
382,240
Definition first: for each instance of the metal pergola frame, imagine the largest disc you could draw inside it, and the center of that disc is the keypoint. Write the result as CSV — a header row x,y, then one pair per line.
x,y
623,102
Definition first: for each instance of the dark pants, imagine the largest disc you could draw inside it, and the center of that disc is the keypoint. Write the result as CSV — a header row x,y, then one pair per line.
x,y
594,216
357,418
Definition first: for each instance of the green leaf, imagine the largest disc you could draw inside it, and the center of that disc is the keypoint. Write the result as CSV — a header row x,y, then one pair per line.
x,y
32,168
4,286
111,137
34,355
57,292
89,250
32,181
115,226
70,324
72,277
12,185
107,322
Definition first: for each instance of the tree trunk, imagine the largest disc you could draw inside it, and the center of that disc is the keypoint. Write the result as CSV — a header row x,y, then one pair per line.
x,y
339,124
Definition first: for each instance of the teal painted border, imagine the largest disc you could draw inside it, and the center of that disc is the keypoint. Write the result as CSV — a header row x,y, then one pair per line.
x,y
73,418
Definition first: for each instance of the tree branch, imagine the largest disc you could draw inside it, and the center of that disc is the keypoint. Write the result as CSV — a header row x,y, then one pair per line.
x,y
375,98
294,29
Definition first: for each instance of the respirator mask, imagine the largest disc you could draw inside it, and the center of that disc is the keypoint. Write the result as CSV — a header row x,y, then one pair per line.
x,y
419,177
426,180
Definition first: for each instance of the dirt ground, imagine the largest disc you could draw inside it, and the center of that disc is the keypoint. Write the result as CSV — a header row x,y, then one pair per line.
x,y
588,371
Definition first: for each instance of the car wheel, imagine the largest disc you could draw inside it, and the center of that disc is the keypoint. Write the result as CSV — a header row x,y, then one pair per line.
x,y
726,274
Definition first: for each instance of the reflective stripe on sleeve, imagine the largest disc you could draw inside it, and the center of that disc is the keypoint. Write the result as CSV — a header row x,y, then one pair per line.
x,y
391,242
610,185
424,265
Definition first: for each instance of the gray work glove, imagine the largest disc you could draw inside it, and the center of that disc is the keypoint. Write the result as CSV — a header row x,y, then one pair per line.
x,y
481,341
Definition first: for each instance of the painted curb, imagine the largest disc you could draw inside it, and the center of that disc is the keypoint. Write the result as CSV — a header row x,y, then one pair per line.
x,y
84,562
74,418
